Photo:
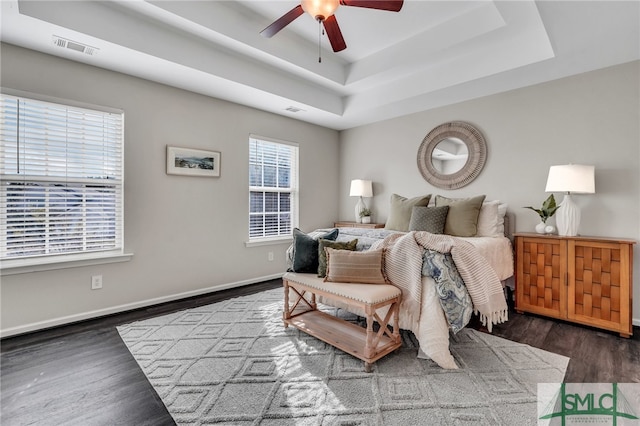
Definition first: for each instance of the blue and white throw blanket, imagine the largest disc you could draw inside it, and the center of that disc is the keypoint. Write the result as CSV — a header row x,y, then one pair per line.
x,y
366,236
454,297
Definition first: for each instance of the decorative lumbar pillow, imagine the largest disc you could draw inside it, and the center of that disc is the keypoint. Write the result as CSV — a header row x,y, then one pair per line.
x,y
305,250
322,255
462,218
429,219
400,211
365,267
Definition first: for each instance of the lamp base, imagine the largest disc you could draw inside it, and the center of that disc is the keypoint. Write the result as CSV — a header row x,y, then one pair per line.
x,y
359,207
568,217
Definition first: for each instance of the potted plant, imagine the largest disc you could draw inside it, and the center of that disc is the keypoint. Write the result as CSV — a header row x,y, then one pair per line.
x,y
548,209
365,215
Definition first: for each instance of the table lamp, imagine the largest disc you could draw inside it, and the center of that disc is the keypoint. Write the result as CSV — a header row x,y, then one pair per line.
x,y
570,178
360,188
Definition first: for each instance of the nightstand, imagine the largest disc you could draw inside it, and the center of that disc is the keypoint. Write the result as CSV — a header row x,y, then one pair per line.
x,y
586,280
357,225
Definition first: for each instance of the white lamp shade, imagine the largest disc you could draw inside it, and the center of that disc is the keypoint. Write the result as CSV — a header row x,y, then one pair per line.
x,y
361,188
570,178
573,178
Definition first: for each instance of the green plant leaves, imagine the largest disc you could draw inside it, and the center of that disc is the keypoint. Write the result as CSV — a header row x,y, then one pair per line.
x,y
548,209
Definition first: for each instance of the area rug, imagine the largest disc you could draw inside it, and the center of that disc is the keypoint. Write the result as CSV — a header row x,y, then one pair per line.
x,y
233,362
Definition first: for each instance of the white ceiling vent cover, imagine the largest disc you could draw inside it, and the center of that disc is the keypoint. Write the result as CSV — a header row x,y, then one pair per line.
x,y
74,45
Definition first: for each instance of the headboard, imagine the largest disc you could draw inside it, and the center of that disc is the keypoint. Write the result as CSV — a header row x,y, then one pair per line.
x,y
509,225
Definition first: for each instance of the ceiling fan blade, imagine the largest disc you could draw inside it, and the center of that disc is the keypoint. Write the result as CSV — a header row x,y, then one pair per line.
x,y
390,5
282,22
334,34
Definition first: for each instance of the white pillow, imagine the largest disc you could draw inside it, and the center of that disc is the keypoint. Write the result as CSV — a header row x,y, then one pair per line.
x,y
491,219
502,211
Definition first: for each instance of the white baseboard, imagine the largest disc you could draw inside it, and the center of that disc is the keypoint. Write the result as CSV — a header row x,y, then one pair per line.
x,y
41,325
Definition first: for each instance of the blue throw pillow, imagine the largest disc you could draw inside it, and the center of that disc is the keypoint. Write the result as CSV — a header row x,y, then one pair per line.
x,y
305,250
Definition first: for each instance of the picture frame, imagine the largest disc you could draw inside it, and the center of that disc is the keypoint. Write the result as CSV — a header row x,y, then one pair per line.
x,y
192,162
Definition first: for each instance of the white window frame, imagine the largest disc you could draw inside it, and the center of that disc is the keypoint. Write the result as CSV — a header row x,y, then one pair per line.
x,y
293,190
87,255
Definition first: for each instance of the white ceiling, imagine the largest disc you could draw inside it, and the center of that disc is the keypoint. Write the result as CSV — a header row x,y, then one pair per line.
x,y
430,54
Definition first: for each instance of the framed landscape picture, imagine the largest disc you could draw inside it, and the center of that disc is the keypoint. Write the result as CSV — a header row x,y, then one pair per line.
x,y
192,162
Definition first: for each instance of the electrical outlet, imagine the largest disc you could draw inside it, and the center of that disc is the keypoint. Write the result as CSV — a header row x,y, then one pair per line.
x,y
270,256
96,282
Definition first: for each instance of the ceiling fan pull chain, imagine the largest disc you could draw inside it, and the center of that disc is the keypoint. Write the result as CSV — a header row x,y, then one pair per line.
x,y
320,32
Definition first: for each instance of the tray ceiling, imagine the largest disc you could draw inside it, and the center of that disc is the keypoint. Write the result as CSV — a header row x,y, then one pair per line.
x,y
430,54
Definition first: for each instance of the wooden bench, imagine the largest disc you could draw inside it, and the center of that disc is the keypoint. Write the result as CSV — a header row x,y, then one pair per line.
x,y
363,343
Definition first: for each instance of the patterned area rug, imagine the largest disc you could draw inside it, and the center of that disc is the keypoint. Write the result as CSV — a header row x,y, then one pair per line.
x,y
233,362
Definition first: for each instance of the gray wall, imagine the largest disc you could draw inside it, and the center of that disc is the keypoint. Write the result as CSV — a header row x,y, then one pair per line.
x,y
187,234
592,118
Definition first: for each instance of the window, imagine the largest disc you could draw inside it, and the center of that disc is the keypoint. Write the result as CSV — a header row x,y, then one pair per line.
x,y
273,188
61,171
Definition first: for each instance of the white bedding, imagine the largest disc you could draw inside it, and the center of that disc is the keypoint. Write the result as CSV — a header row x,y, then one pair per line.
x,y
498,252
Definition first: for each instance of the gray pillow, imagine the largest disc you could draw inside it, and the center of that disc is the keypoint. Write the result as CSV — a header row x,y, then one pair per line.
x,y
429,219
400,211
305,250
462,218
322,254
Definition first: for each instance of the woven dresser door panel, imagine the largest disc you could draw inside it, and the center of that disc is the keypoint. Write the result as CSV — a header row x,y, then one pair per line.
x,y
541,276
599,282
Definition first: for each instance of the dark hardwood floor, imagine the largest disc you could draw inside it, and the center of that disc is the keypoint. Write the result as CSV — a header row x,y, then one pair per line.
x,y
82,374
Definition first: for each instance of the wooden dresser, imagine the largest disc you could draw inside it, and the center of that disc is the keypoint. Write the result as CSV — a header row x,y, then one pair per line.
x,y
587,280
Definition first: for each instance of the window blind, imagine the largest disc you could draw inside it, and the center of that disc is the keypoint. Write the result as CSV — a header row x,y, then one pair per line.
x,y
62,179
273,189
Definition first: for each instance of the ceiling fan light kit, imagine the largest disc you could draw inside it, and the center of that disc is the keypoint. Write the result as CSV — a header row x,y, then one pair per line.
x,y
323,11
320,9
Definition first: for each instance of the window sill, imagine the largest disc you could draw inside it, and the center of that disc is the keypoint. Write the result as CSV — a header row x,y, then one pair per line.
x,y
269,241
40,264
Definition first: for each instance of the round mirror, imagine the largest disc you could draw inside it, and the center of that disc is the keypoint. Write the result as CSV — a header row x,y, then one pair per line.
x,y
449,156
452,155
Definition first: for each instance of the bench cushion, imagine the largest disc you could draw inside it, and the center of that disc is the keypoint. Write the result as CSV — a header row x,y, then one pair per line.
x,y
364,293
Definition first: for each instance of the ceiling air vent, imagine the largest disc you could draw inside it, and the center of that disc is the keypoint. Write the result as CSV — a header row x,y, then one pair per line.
x,y
293,109
74,45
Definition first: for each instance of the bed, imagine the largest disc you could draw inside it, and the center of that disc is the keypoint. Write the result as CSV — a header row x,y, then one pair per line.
x,y
443,277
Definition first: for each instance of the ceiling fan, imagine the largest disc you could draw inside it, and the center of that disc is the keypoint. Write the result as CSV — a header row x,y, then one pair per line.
x,y
323,11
